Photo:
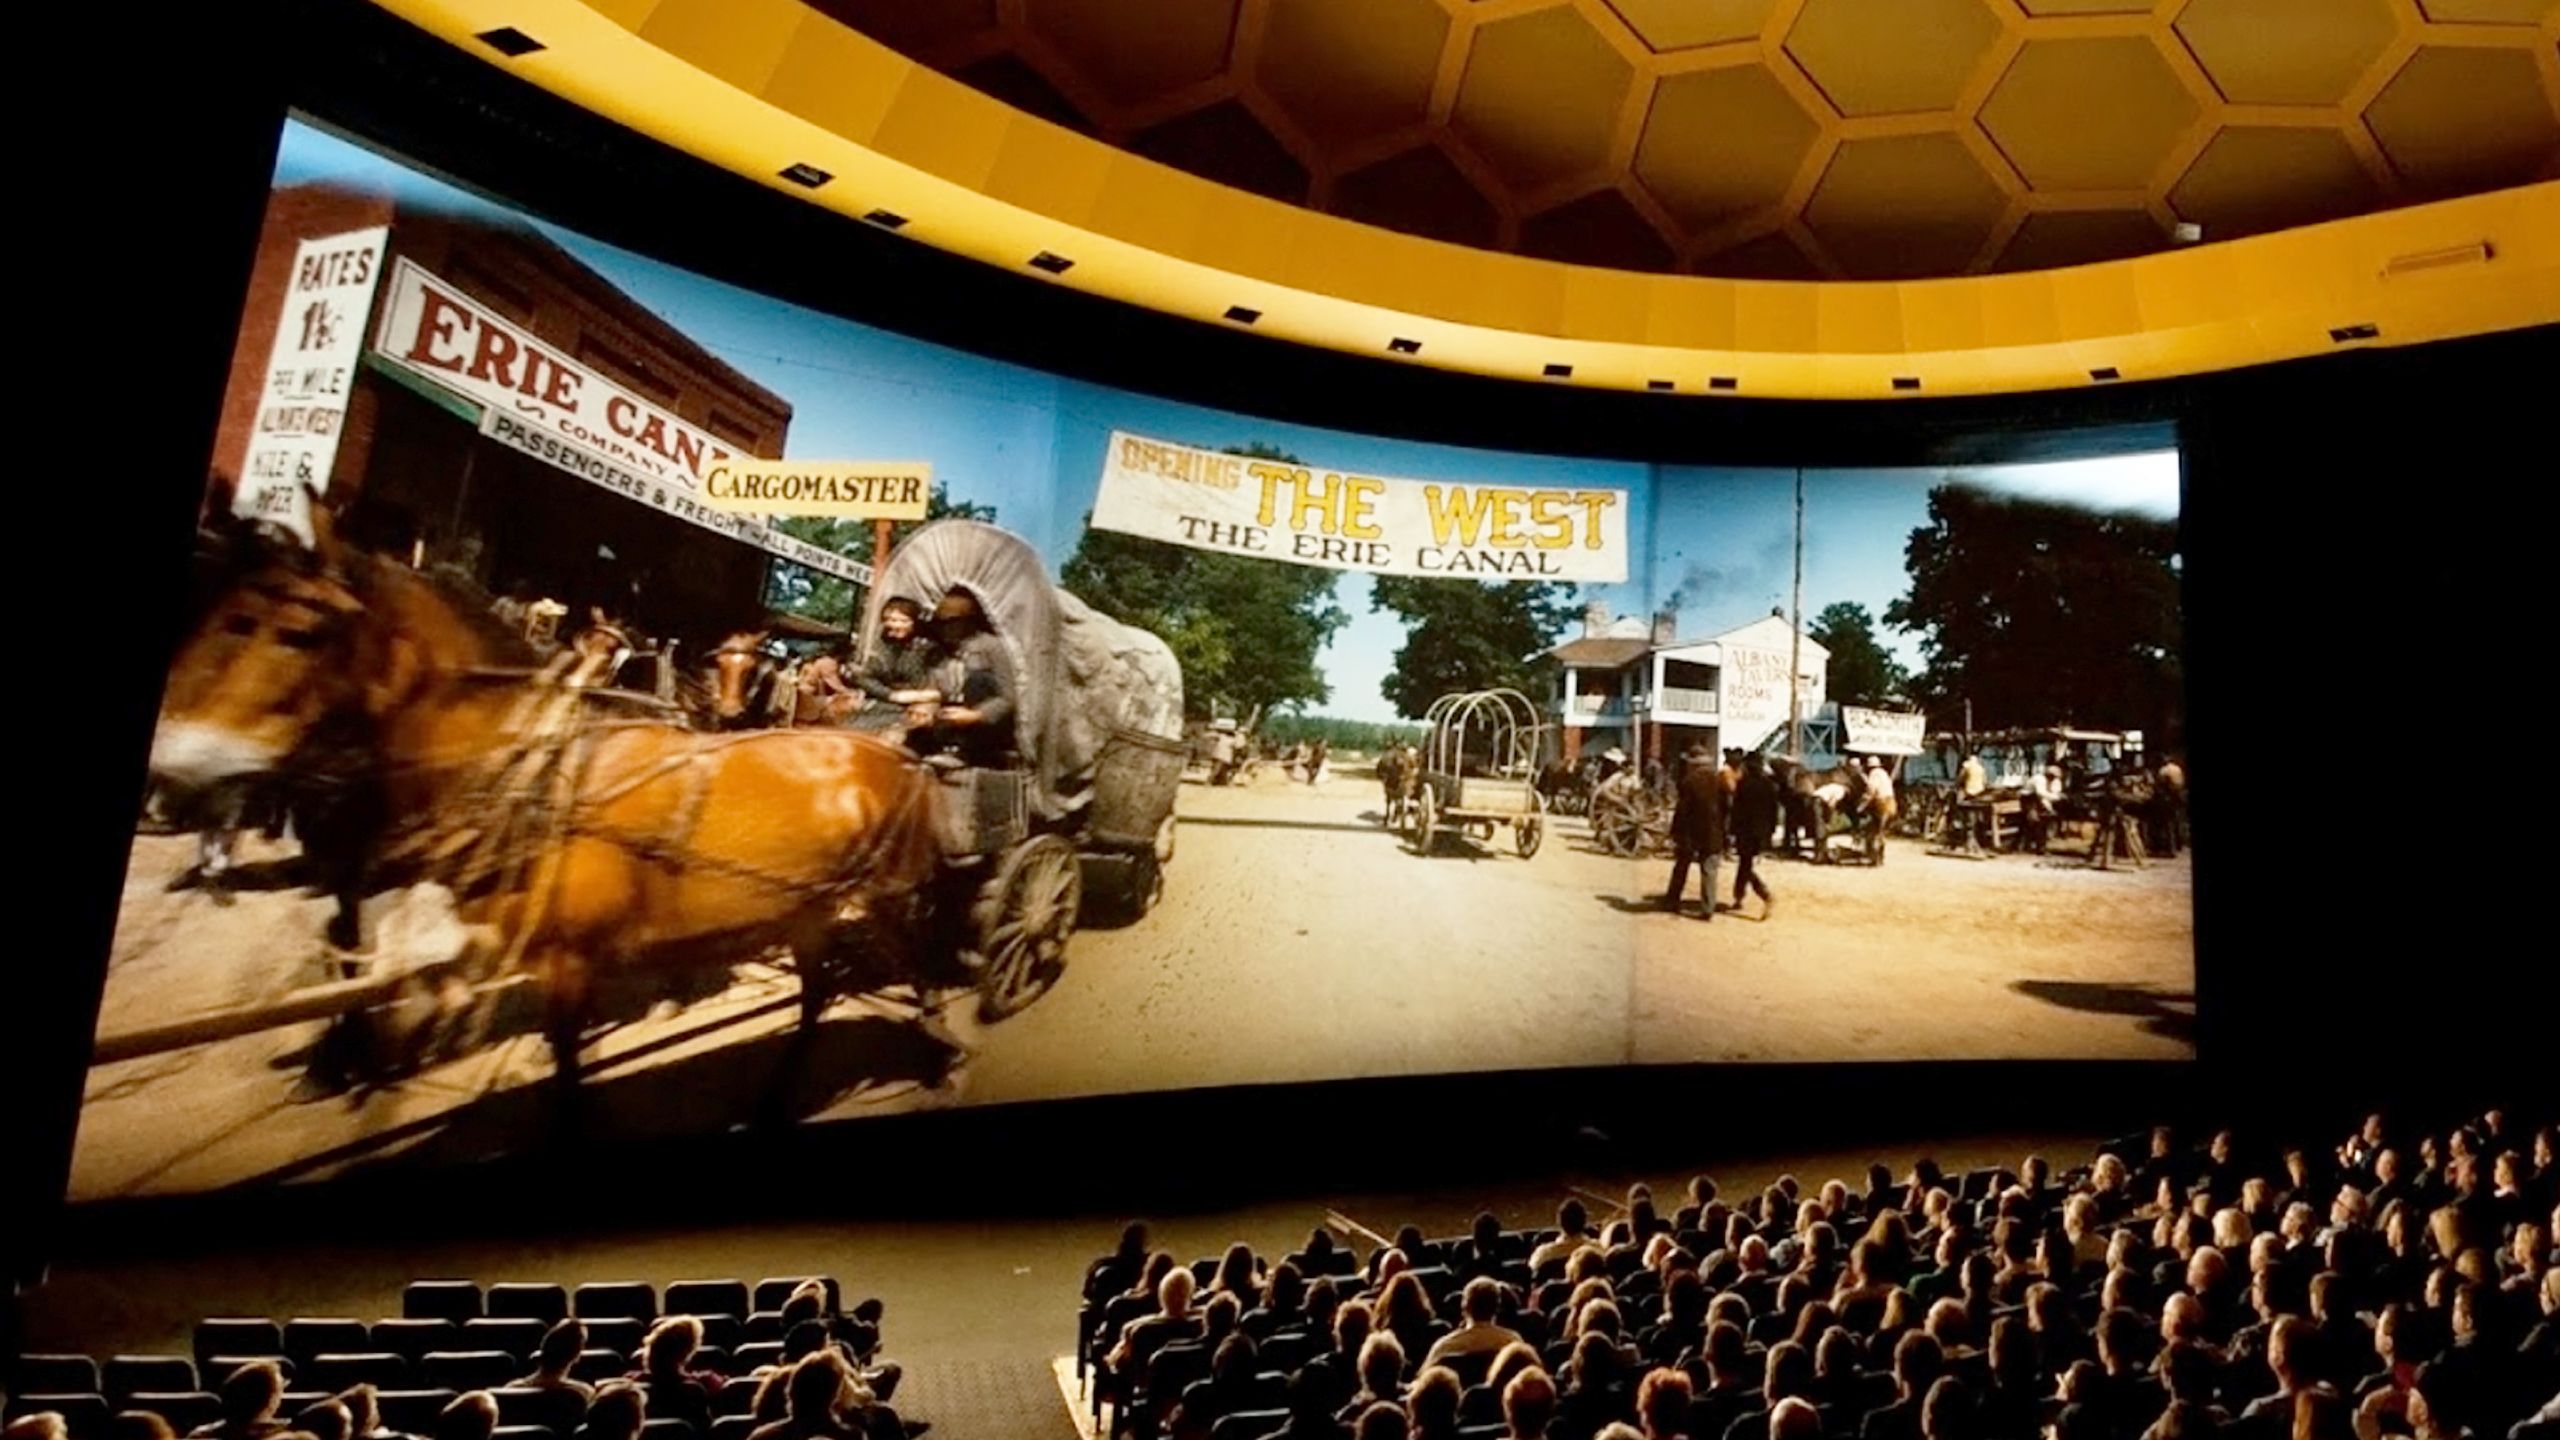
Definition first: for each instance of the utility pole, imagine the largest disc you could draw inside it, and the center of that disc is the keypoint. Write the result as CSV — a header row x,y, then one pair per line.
x,y
1795,639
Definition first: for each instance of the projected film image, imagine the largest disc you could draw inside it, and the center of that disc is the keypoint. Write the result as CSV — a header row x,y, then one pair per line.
x,y
621,704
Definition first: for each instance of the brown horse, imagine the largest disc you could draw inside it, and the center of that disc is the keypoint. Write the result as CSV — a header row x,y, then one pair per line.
x,y
591,851
742,678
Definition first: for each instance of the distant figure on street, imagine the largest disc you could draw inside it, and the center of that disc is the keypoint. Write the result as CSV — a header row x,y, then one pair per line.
x,y
1880,807
1973,806
1755,814
1697,830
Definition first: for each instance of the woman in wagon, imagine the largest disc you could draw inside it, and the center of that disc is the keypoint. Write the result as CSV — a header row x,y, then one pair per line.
x,y
900,670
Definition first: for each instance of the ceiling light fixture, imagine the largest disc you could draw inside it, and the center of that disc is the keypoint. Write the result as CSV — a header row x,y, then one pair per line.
x,y
886,219
1052,263
1243,314
807,175
509,41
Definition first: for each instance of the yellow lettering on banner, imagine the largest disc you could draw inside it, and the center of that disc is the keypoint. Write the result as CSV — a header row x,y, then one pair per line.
x,y
1553,521
1270,475
1593,503
1504,532
1319,497
1359,496
1454,512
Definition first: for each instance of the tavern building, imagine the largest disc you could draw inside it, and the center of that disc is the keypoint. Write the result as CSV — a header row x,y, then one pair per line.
x,y
1637,687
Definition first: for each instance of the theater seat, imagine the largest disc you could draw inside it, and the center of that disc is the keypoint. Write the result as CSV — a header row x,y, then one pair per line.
x,y
1248,1424
238,1336
620,1335
413,1412
469,1369
762,1325
733,1427
335,1372
524,1432
183,1409
127,1375
530,1406
721,1331
668,1430
708,1297
593,1365
518,1337
510,1301
751,1357
57,1375
454,1300
215,1369
413,1339
733,1400
611,1299
306,1336
84,1414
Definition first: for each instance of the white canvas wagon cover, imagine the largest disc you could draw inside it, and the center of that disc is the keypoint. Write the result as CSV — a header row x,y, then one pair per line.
x,y
1077,674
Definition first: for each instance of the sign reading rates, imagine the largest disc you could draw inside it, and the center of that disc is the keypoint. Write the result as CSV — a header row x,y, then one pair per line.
x,y
1308,515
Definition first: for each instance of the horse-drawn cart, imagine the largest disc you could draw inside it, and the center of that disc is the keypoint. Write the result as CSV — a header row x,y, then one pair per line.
x,y
610,862
1478,771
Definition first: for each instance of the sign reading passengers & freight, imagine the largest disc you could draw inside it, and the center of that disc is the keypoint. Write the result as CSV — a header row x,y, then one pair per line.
x,y
310,373
1308,515
849,489
540,402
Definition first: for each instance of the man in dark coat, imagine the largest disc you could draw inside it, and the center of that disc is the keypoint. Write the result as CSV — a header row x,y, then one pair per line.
x,y
1697,830
1755,814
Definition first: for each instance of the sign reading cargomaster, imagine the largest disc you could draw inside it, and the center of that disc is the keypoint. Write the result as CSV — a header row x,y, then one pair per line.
x,y
846,489
1307,515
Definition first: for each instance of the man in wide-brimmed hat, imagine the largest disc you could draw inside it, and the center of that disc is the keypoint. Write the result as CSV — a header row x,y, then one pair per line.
x,y
975,676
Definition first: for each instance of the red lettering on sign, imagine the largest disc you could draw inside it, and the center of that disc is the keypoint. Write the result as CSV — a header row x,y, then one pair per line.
x,y
443,328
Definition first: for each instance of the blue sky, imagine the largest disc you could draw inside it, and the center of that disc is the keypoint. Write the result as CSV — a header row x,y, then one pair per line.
x,y
1031,444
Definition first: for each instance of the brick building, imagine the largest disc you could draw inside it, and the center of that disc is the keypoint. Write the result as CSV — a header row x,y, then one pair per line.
x,y
456,452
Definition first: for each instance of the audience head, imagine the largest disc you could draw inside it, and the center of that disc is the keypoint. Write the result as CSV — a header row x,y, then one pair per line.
x,y
1790,1372
364,1409
670,1343
561,1345
251,1393
1381,1364
123,1425
472,1416
1173,1293
1662,1404
1529,1404
1432,1403
1918,1361
1381,1421
1353,1321
818,1386
1511,1360
1946,1413
324,1420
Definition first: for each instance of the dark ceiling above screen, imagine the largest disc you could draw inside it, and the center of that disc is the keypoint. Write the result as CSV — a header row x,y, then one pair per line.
x,y
1845,139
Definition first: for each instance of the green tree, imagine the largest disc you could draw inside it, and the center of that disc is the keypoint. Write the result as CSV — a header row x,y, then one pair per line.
x,y
1341,734
2042,614
1862,672
799,590
1468,635
1247,631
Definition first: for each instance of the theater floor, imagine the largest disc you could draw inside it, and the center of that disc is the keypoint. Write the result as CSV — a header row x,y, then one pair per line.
x,y
978,1309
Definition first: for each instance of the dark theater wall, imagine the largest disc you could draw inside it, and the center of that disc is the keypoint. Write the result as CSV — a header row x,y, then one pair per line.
x,y
2367,537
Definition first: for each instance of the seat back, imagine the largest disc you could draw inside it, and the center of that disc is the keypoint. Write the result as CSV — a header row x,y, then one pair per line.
x,y
128,1375
306,1336
56,1375
618,1334
469,1369
335,1372
516,1335
454,1300
183,1409
595,1365
85,1414
221,1335
412,1411
614,1299
772,1290
412,1340
515,1301
708,1297
1248,1424
668,1430
558,1410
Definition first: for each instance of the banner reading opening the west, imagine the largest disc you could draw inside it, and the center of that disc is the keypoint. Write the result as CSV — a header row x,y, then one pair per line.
x,y
1308,515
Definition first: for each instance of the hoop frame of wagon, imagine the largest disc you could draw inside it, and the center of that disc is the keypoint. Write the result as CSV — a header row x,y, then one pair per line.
x,y
1478,771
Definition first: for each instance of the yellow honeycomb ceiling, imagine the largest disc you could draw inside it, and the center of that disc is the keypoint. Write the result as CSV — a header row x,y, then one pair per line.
x,y
803,104
1787,139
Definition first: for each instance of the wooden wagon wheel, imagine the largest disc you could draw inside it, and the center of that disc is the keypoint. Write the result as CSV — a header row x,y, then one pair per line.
x,y
1530,830
1618,828
1019,924
1426,820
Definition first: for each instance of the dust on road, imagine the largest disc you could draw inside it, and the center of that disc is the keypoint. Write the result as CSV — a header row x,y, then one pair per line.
x,y
1297,940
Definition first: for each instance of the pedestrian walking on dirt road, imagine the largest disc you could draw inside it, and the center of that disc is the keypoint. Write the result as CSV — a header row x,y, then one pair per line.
x,y
1755,814
1697,830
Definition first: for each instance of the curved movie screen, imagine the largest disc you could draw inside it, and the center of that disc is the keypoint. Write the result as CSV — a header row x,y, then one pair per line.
x,y
552,717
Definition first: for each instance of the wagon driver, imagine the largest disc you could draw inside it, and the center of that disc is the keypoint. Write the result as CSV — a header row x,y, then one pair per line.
x,y
974,678
900,670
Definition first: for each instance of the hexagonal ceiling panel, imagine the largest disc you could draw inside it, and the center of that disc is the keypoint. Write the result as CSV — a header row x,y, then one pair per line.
x,y
1540,97
2287,52
1601,228
1722,143
2460,120
1686,24
2097,114
1420,193
2054,238
1347,69
1904,206
2252,179
1883,57
1586,127
1181,42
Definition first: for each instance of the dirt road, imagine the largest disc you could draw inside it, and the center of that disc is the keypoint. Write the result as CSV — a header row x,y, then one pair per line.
x,y
1296,941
